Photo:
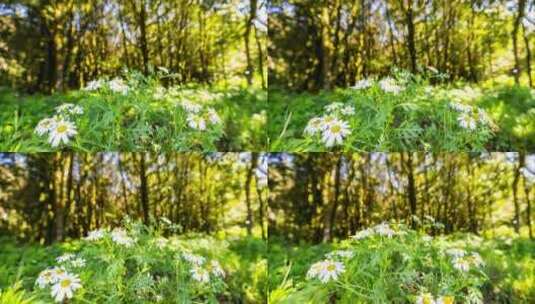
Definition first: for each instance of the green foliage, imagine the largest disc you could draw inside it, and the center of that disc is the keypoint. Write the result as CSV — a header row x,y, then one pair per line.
x,y
153,269
144,117
401,268
418,118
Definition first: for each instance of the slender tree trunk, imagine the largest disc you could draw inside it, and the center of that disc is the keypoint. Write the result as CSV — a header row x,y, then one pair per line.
x,y
528,56
247,37
143,189
248,179
516,26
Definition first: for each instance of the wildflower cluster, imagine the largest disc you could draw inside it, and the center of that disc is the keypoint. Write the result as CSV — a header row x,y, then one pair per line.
x,y
463,260
389,252
60,128
470,117
387,85
62,281
116,85
382,229
203,270
427,298
332,127
199,117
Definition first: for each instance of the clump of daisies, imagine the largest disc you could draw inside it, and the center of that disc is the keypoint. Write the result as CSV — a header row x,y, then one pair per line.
x,y
116,85
332,128
463,260
60,128
427,298
383,229
63,283
470,117
362,84
203,270
199,117
389,85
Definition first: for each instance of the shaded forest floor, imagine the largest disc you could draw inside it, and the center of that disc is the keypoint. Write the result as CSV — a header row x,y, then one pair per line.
x,y
153,270
403,267
405,115
135,115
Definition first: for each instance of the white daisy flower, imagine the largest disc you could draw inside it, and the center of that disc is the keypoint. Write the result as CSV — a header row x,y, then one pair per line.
x,y
161,242
347,254
215,268
69,108
384,230
66,257
196,122
335,133
335,106
95,235
45,125
389,85
193,258
313,126
467,121
65,287
314,270
427,238
348,110
57,273
475,259
159,93
119,236
456,252
213,117
117,85
445,300
78,263
461,264
363,234
330,270
191,107
425,298
459,107
45,278
362,84
61,132
199,274
93,85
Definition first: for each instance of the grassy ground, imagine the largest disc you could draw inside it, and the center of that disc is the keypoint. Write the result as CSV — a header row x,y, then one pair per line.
x,y
146,117
403,268
418,117
146,272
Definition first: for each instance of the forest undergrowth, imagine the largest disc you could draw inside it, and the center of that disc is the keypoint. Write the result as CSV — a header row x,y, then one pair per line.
x,y
135,113
404,112
390,263
135,264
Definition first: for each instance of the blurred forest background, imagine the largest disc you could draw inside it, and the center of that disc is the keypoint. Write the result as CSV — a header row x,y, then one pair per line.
x,y
62,44
49,197
321,197
323,44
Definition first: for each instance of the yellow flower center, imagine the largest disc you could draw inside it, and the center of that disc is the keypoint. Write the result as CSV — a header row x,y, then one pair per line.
x,y
65,283
336,129
331,267
427,300
448,300
61,129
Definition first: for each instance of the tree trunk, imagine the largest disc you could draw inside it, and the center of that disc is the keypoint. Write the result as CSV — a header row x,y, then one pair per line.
x,y
247,36
143,189
516,26
248,179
